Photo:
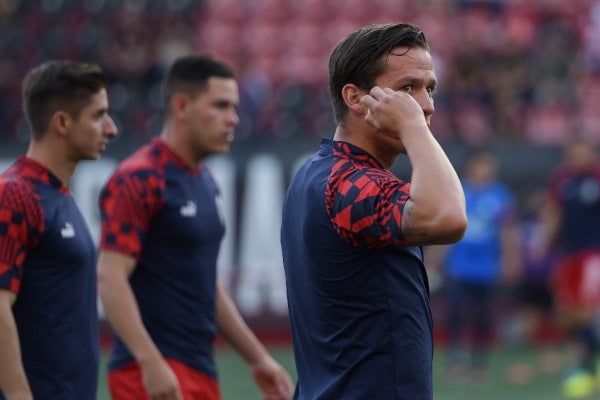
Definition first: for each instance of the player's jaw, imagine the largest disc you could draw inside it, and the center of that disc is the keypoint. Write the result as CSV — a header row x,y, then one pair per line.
x,y
98,146
222,142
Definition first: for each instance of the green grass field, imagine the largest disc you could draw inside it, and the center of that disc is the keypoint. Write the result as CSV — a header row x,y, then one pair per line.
x,y
515,374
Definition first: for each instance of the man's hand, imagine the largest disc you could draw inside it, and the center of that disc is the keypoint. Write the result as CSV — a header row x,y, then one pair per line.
x,y
13,382
160,381
272,379
393,112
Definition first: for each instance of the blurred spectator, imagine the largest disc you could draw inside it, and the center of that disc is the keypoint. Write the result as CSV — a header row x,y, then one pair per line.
x,y
474,268
533,291
129,55
515,71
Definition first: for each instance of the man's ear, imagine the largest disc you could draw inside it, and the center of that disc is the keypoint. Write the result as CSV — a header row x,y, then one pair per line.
x,y
352,95
179,104
60,122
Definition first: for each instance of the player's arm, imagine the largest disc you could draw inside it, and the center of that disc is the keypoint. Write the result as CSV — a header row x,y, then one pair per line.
x,y
122,311
272,379
13,381
435,212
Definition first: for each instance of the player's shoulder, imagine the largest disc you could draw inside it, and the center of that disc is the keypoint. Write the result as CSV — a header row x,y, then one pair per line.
x,y
16,192
359,181
365,173
13,181
142,164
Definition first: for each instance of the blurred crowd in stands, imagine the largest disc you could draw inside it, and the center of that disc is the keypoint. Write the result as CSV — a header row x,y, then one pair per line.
x,y
509,70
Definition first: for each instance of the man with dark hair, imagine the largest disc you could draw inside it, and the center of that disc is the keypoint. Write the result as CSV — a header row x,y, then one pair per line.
x,y
161,231
48,309
351,231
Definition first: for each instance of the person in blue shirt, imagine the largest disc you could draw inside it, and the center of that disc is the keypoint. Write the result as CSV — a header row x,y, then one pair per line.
x,y
48,297
474,268
161,232
352,231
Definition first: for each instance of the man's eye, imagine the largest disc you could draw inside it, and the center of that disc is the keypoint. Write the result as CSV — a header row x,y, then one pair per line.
x,y
406,88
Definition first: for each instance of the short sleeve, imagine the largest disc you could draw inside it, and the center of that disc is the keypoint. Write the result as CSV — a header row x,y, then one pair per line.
x,y
365,207
128,203
21,224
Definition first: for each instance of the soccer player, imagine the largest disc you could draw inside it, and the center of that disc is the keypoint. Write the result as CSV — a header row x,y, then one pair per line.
x,y
48,309
351,230
161,231
570,221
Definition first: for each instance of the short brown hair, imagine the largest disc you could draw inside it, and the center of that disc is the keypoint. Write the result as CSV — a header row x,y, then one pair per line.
x,y
190,74
58,85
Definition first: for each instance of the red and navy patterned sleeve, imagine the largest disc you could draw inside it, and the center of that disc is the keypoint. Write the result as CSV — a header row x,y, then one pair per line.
x,y
365,205
21,224
128,203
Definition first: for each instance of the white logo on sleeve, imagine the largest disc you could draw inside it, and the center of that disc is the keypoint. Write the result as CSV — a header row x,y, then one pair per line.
x,y
68,231
188,210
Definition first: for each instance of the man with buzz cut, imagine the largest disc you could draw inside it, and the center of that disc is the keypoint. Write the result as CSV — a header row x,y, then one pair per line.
x,y
161,233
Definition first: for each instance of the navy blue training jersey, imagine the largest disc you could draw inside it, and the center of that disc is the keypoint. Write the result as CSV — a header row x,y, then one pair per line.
x,y
577,193
165,214
48,259
357,293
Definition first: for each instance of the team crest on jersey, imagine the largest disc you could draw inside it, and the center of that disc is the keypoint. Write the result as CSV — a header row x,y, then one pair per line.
x,y
68,231
188,210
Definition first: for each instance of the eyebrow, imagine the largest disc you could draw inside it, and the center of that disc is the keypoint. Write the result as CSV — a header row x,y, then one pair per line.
x,y
101,111
413,79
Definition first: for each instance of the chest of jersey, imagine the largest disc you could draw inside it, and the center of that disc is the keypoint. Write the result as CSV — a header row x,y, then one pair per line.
x,y
65,245
190,215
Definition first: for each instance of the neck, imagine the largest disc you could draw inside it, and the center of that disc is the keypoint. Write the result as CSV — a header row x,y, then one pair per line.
x,y
53,158
175,139
361,140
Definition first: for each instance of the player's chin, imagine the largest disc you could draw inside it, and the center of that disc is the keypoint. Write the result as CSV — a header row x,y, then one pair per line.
x,y
91,156
221,148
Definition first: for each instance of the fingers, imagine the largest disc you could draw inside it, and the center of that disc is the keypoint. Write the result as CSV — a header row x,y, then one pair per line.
x,y
368,101
274,382
372,97
168,396
174,394
283,387
286,386
376,95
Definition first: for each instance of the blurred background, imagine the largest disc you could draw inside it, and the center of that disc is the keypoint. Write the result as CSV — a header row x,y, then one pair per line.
x,y
518,76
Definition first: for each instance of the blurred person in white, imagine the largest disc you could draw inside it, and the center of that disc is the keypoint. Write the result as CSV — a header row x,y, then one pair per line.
x,y
570,219
473,268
